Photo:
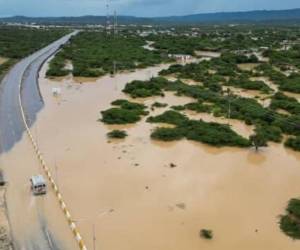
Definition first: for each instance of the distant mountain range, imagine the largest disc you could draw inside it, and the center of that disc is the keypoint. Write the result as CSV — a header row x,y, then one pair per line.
x,y
260,16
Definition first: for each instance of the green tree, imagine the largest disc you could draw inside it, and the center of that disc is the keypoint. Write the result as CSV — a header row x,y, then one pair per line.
x,y
258,140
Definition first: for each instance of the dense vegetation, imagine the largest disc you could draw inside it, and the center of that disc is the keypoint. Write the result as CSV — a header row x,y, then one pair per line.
x,y
244,83
126,112
289,104
222,38
94,54
290,223
294,143
211,133
19,42
289,83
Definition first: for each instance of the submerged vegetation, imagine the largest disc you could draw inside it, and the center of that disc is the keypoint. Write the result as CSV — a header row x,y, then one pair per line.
x,y
294,143
211,133
117,134
290,222
217,85
206,234
125,113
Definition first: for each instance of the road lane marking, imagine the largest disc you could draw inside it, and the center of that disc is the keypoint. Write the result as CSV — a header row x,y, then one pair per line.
x,y
67,214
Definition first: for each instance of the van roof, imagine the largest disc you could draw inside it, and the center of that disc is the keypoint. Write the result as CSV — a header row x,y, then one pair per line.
x,y
38,180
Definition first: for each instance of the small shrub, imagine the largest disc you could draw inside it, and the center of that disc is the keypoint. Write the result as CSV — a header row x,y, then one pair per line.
x,y
159,105
117,134
206,234
258,140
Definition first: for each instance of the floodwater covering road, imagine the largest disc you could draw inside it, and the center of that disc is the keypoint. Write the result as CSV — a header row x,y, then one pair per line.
x,y
36,222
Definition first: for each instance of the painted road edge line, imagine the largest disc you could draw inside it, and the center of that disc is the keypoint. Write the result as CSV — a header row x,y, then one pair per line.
x,y
58,195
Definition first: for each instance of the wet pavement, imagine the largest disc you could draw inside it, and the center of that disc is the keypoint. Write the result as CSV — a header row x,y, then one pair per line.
x,y
27,70
31,223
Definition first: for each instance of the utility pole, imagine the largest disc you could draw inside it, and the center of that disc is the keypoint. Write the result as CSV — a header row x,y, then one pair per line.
x,y
115,23
115,68
229,109
107,25
229,103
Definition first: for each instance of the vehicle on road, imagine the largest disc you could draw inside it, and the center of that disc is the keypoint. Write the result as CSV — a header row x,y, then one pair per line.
x,y
38,185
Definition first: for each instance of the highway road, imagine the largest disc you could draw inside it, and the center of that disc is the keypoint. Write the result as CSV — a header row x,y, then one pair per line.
x,y
37,235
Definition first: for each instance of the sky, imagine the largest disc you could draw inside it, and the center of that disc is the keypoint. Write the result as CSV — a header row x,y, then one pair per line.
x,y
141,8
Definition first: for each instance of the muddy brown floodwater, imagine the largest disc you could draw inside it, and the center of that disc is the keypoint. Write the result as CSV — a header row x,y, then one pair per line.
x,y
142,194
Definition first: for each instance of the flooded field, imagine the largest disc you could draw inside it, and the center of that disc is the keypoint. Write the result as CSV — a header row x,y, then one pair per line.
x,y
143,194
236,125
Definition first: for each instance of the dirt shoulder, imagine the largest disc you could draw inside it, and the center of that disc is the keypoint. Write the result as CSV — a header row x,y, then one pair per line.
x,y
5,234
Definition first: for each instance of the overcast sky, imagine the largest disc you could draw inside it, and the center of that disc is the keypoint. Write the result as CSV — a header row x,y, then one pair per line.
x,y
136,7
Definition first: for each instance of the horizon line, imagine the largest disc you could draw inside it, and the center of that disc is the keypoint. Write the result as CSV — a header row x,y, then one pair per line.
x,y
124,15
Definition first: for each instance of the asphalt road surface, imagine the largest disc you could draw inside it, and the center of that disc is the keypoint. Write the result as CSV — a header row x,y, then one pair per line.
x,y
11,131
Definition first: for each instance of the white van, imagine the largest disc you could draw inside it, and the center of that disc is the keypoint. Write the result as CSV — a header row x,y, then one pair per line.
x,y
38,185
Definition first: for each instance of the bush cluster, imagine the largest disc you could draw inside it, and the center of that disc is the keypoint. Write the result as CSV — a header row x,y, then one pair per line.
x,y
293,142
126,113
211,133
94,54
244,83
290,222
281,101
117,134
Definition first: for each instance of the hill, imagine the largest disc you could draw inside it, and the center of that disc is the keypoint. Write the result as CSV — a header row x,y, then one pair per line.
x,y
261,16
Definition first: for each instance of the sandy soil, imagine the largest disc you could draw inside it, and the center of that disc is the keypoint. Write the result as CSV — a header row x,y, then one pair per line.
x,y
3,60
247,66
136,200
149,46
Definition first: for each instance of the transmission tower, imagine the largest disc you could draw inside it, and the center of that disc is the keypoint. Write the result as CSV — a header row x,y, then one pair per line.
x,y
107,24
115,23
